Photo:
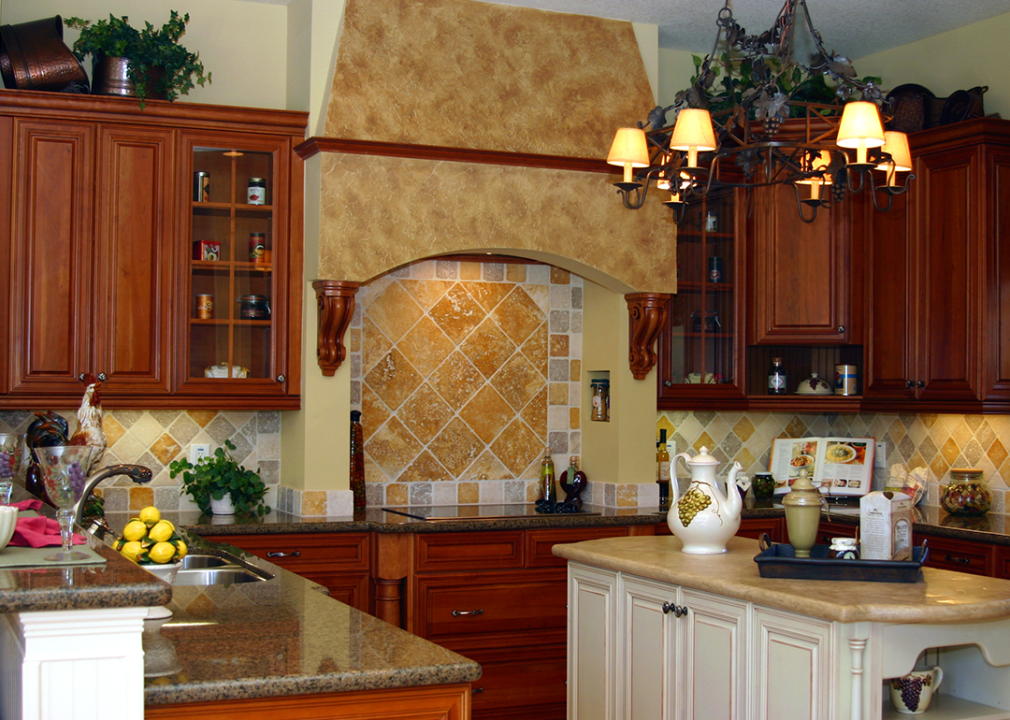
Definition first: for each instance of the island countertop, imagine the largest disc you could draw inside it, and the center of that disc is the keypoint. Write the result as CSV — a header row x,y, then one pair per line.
x,y
942,595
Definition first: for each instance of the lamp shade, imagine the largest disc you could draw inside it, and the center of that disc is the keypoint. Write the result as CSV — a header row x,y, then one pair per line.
x,y
896,144
693,131
860,126
629,148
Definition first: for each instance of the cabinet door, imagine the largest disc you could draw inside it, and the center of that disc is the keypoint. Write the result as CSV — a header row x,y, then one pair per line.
x,y
134,249
700,349
239,314
51,242
997,267
792,665
800,271
950,291
714,638
890,295
591,643
648,626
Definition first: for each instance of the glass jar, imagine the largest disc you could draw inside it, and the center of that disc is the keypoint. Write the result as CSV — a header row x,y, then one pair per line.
x,y
764,485
601,400
967,493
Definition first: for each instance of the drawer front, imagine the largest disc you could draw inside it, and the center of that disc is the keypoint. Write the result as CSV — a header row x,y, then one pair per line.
x,y
491,609
327,551
1003,563
522,683
968,557
468,551
540,542
754,527
350,589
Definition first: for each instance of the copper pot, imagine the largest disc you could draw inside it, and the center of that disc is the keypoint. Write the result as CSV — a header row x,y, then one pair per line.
x,y
112,77
33,56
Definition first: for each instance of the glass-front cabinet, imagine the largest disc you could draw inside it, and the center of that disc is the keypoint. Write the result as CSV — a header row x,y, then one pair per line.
x,y
237,268
700,348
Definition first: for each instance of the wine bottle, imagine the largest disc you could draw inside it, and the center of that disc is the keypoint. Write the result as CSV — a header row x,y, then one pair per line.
x,y
357,461
663,468
776,378
548,490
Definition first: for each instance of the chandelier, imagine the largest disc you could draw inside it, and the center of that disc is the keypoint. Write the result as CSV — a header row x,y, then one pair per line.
x,y
769,109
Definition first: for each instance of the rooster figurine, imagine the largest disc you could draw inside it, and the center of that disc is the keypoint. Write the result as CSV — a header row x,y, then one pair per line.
x,y
89,422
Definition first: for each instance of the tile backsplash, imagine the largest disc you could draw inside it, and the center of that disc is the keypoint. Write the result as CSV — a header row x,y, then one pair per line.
x,y
464,373
154,438
935,441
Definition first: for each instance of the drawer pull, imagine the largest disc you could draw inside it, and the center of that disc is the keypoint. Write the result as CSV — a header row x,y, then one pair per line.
x,y
279,554
951,558
460,613
477,690
677,610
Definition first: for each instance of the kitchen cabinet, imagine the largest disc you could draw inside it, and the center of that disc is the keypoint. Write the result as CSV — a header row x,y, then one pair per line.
x,y
98,221
700,348
800,285
337,561
499,598
938,331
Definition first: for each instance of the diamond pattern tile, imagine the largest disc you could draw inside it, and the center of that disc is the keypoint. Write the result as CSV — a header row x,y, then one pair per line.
x,y
488,348
394,312
517,447
376,345
393,379
535,349
457,314
425,346
426,292
518,316
425,413
487,413
456,447
518,381
456,380
489,295
425,469
393,447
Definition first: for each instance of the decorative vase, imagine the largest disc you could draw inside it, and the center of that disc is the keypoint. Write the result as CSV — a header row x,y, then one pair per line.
x,y
911,693
224,506
111,76
357,461
803,515
967,493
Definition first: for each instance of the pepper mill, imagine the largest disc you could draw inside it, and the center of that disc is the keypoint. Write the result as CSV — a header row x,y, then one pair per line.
x,y
803,514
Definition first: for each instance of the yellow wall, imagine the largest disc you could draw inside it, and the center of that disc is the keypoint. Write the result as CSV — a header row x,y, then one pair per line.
x,y
956,60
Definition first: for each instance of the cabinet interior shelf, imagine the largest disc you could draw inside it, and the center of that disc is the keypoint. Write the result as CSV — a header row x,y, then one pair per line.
x,y
223,265
948,707
693,236
805,403
711,287
207,208
225,322
710,335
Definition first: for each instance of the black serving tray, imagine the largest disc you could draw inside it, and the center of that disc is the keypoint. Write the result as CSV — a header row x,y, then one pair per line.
x,y
779,561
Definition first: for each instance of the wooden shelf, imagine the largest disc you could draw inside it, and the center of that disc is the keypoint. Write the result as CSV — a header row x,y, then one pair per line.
x,y
805,403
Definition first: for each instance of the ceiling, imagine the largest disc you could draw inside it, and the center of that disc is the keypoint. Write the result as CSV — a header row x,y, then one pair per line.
x,y
853,28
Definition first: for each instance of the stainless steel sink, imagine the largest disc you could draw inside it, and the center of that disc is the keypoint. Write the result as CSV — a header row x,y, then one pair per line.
x,y
217,567
227,575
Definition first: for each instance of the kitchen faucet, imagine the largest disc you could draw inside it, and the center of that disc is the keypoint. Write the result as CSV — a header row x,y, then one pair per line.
x,y
138,473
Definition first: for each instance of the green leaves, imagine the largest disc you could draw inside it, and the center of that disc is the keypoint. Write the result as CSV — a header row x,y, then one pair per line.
x,y
218,475
147,50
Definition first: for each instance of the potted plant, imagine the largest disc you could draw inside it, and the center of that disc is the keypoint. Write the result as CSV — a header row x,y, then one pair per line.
x,y
155,64
215,477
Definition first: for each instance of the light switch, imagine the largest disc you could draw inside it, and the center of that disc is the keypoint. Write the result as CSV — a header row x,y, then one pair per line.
x,y
880,456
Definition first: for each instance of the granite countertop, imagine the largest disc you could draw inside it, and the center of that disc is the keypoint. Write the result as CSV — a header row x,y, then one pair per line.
x,y
287,637
942,595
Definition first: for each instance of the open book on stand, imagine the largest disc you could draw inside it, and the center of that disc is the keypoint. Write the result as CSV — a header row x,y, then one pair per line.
x,y
839,466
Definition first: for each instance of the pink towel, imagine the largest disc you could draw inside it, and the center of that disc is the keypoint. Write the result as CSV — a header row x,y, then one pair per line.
x,y
39,531
28,505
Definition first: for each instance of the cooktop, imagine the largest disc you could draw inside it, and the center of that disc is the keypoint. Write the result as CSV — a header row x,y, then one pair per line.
x,y
449,513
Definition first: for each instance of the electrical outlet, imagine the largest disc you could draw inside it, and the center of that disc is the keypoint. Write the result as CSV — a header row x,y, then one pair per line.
x,y
197,451
880,456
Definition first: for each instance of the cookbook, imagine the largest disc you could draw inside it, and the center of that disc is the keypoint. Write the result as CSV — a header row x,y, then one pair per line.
x,y
838,466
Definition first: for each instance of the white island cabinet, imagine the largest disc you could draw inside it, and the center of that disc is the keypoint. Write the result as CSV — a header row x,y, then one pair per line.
x,y
655,634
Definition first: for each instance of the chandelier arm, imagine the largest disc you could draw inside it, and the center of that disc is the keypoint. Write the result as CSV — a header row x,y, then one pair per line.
x,y
800,203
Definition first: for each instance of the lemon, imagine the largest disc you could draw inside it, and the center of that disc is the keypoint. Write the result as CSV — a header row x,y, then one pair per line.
x,y
150,515
134,530
132,549
161,531
162,552
118,545
181,548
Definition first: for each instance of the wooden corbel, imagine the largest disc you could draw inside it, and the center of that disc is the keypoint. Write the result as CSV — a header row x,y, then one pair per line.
x,y
335,303
647,312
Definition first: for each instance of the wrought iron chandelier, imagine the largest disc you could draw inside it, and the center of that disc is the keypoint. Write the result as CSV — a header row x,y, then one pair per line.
x,y
763,110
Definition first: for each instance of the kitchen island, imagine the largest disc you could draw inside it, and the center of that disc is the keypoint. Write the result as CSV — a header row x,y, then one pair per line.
x,y
656,633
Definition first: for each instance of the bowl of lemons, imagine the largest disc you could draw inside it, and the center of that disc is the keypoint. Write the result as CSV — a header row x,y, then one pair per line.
x,y
152,542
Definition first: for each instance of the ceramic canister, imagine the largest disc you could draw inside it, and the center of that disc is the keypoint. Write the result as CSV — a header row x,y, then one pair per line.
x,y
845,379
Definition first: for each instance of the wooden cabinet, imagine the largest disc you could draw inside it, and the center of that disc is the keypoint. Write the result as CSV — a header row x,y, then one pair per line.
x,y
700,348
98,219
499,598
800,272
337,561
938,338
960,555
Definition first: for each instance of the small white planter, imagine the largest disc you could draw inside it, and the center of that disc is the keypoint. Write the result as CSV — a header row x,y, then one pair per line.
x,y
223,506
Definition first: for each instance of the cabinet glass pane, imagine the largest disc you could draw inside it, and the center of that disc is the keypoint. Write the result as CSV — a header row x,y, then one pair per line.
x,y
702,342
232,262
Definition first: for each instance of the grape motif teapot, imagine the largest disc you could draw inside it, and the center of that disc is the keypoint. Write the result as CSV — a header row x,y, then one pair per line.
x,y
704,518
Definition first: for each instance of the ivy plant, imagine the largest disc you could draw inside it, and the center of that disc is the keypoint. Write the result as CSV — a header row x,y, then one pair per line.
x,y
217,475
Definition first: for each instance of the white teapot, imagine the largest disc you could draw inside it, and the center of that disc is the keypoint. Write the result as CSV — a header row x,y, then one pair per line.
x,y
704,518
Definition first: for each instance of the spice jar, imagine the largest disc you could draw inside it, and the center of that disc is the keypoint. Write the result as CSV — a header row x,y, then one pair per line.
x,y
601,400
967,493
254,307
256,193
844,548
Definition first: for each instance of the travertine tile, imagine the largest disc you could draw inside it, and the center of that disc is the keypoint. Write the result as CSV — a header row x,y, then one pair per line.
x,y
376,345
489,295
393,379
517,447
488,348
487,413
394,312
393,447
456,380
518,316
425,413
518,381
457,314
456,447
426,469
427,292
425,346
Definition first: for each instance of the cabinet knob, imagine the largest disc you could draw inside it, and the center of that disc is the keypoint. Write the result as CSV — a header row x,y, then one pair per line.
x,y
668,383
281,378
279,554
478,690
460,613
909,384
841,329
668,608
920,383
961,560
102,377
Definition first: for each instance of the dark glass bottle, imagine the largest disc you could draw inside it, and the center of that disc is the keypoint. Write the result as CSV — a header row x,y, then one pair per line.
x,y
548,489
357,461
776,378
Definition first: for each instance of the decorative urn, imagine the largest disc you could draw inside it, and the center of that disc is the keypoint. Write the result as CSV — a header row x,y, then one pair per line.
x,y
704,518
